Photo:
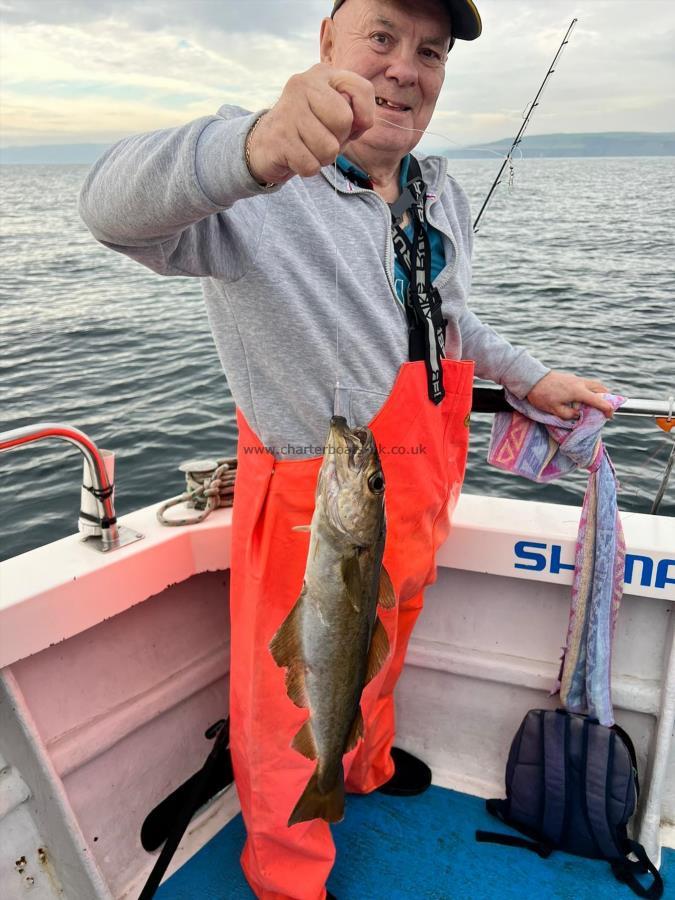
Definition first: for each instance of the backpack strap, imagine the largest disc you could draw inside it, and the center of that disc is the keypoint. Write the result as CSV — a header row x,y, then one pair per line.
x,y
498,809
597,764
617,729
556,726
625,871
510,840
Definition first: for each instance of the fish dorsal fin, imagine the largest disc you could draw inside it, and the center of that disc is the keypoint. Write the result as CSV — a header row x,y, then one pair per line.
x,y
386,596
351,575
356,731
379,650
305,743
301,528
286,646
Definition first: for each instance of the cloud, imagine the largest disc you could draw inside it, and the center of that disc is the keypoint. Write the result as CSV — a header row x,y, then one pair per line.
x,y
262,16
616,74
106,72
271,16
95,70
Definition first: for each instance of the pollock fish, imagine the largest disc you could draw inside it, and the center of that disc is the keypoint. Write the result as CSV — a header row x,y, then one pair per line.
x,y
332,643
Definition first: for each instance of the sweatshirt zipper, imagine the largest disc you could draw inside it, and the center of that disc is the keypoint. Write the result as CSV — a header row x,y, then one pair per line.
x,y
442,277
388,243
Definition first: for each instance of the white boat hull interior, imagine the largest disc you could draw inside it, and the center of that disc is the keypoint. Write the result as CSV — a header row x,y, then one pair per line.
x,y
112,667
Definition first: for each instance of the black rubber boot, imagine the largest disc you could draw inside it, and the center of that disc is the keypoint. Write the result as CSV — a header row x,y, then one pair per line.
x,y
411,776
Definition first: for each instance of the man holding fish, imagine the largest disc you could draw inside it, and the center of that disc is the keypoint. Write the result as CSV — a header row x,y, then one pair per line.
x,y
271,209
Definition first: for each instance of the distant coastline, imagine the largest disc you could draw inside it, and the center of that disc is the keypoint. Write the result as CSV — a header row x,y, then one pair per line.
x,y
609,143
52,154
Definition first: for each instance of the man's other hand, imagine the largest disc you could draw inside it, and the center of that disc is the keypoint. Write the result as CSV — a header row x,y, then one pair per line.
x,y
556,391
318,112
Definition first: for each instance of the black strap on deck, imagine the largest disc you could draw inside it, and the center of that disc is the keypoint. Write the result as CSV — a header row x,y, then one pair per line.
x,y
497,808
219,756
625,871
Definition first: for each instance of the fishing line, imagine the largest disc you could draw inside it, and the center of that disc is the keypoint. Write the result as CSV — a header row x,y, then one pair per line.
x,y
443,137
506,157
337,411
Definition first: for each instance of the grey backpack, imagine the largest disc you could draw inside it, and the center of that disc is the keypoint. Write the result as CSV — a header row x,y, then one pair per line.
x,y
572,785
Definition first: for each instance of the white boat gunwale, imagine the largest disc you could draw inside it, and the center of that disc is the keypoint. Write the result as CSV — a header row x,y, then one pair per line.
x,y
60,589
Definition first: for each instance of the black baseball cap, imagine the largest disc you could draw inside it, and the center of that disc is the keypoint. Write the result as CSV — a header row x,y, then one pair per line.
x,y
466,23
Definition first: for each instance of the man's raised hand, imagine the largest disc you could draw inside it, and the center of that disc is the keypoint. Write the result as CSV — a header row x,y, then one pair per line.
x,y
319,111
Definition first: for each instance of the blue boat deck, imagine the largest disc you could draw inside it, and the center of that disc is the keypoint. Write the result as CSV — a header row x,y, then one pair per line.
x,y
418,848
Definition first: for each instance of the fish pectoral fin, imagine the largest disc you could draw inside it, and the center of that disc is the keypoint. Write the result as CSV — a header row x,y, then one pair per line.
x,y
301,528
379,650
285,646
315,805
356,732
296,686
286,650
351,575
305,743
386,595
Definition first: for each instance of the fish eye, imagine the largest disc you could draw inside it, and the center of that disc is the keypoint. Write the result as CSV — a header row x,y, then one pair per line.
x,y
376,483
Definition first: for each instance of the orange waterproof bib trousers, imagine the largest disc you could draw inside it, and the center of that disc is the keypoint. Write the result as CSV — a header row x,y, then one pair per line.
x,y
423,451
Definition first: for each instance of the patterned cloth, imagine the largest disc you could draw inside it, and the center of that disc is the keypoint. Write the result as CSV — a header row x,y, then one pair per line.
x,y
543,447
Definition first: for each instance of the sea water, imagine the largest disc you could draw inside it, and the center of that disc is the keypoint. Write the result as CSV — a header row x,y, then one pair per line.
x,y
575,261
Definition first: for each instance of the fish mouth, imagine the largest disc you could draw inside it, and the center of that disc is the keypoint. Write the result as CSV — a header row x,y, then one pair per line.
x,y
354,444
350,484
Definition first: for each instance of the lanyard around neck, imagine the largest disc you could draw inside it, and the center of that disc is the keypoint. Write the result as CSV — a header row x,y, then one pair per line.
x,y
426,325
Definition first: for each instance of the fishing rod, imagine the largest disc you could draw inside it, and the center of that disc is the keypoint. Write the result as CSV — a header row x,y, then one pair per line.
x,y
664,482
526,122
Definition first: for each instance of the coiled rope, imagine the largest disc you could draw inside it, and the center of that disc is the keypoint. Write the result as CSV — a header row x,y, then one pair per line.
x,y
209,485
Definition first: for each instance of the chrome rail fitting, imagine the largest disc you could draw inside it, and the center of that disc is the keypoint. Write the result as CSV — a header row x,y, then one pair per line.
x,y
112,535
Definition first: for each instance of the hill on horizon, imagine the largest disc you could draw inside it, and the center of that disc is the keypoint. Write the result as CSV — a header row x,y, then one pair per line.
x,y
604,143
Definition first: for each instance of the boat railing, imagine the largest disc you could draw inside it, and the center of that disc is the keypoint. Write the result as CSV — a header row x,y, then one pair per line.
x,y
493,400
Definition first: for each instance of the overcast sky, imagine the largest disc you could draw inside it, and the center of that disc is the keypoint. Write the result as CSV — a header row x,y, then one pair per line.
x,y
95,70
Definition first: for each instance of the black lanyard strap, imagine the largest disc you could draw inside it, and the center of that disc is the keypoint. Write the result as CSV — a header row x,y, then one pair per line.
x,y
426,325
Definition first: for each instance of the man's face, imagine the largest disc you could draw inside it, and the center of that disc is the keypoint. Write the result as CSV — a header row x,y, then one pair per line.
x,y
401,48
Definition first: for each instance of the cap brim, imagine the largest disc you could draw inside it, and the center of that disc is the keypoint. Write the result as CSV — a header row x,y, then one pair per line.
x,y
466,22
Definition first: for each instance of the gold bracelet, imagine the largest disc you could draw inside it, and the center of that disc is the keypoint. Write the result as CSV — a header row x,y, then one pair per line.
x,y
247,153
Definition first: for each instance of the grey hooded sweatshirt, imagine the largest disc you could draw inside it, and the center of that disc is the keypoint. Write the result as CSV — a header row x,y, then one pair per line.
x,y
181,201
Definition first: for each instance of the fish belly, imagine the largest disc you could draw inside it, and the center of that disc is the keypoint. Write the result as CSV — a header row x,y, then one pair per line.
x,y
336,640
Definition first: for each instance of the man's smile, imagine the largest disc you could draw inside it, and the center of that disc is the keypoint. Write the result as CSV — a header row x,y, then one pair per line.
x,y
388,104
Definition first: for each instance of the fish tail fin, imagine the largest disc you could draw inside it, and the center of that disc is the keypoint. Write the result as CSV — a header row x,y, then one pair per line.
x,y
315,805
